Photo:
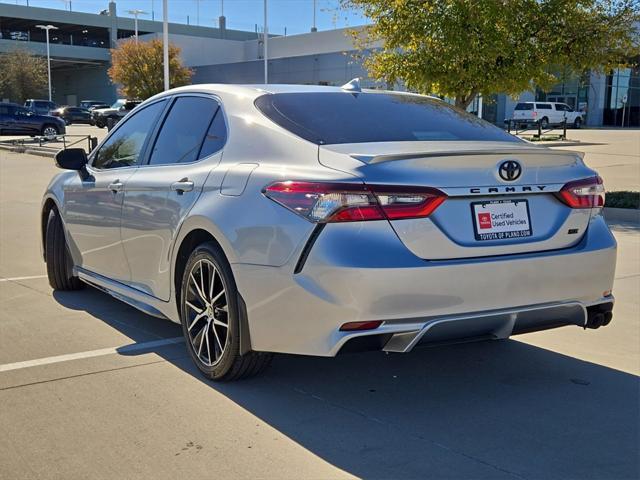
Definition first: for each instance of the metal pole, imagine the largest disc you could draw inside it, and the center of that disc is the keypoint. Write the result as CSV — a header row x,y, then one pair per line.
x,y
48,62
314,28
135,23
165,42
266,46
198,12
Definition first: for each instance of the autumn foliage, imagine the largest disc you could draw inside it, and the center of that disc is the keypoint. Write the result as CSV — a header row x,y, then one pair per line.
x,y
137,68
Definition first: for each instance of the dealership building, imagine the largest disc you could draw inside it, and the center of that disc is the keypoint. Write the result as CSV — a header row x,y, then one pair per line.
x,y
80,59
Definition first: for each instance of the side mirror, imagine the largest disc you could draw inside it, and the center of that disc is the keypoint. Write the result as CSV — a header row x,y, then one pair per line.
x,y
73,159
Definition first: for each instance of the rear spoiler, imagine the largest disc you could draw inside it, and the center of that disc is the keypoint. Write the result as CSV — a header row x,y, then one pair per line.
x,y
373,158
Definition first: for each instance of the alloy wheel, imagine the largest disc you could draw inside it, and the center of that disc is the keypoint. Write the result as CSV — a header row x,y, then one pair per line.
x,y
207,313
50,133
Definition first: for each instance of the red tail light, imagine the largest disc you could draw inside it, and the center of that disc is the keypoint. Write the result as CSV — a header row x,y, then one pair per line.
x,y
586,193
355,326
321,202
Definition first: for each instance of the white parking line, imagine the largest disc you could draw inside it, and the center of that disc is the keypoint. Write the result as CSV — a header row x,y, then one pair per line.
x,y
15,279
125,349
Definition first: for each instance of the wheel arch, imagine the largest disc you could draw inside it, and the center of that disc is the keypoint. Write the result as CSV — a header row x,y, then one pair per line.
x,y
189,241
48,205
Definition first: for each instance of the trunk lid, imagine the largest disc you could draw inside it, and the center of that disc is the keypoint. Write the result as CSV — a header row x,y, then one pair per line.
x,y
527,216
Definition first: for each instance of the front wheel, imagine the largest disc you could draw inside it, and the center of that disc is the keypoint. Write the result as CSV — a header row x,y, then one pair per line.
x,y
49,132
210,318
544,123
100,123
577,123
59,262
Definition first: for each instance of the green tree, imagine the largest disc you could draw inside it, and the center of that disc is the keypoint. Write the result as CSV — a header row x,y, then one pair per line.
x,y
138,68
462,48
22,75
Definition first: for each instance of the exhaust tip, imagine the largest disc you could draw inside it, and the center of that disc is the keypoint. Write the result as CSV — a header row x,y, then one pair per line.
x,y
599,315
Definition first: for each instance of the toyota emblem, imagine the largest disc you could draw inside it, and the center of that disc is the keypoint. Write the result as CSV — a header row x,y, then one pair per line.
x,y
510,170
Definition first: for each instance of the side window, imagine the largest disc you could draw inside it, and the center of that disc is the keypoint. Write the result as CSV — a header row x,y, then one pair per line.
x,y
561,107
182,133
123,148
216,136
543,106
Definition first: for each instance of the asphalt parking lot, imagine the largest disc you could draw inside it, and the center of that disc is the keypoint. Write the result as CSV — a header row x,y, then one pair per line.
x,y
91,388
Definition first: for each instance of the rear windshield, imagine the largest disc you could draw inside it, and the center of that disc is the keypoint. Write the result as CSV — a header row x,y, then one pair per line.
x,y
336,117
524,106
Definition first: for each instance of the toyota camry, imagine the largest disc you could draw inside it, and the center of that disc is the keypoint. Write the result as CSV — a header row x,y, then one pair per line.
x,y
320,220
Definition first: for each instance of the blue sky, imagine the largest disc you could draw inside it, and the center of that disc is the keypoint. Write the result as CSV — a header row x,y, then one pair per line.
x,y
295,15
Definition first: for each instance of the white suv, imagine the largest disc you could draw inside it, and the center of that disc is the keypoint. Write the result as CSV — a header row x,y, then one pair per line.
x,y
547,113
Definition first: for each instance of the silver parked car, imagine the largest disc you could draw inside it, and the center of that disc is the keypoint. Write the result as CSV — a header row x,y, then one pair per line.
x,y
318,220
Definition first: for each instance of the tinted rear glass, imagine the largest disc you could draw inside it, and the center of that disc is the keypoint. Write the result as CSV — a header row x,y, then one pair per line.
x,y
524,106
335,117
543,106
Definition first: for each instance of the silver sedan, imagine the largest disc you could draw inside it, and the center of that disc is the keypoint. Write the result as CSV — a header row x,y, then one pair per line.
x,y
319,220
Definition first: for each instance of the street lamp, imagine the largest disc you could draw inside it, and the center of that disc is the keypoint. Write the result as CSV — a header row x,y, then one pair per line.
x,y
265,46
165,43
135,14
46,28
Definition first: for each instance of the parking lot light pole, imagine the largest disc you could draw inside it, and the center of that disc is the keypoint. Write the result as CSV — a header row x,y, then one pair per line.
x,y
46,28
135,14
266,45
165,43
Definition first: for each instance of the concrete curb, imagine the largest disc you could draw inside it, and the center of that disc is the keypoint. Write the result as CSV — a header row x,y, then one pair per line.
x,y
631,215
42,152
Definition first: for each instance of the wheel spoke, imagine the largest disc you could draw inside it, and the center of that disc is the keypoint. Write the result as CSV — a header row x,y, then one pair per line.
x,y
220,322
202,333
217,339
200,292
212,280
195,320
213,300
206,336
194,308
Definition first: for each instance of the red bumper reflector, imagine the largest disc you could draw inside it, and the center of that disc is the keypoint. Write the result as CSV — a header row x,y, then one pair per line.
x,y
351,326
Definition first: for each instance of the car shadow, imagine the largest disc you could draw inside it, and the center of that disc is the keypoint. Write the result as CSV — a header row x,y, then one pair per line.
x,y
501,409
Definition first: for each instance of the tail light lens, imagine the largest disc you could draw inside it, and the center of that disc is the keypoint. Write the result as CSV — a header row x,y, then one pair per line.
x,y
321,202
586,193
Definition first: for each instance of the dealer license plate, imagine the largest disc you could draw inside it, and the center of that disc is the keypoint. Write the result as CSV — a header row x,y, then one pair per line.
x,y
501,219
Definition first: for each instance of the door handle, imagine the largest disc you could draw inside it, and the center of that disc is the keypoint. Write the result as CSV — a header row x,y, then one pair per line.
x,y
116,186
181,186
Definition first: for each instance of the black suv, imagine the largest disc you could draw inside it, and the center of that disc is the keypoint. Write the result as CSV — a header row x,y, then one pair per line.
x,y
17,120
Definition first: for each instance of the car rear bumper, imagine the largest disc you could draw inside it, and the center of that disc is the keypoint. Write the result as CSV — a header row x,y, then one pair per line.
x,y
362,272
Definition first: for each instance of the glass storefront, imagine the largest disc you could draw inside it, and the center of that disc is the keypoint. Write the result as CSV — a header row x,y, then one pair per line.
x,y
622,98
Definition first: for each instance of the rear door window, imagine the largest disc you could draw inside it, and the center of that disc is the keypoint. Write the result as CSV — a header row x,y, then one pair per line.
x,y
183,132
524,106
343,117
543,106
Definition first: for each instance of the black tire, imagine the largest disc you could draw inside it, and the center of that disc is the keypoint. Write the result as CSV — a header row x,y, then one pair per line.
x,y
230,364
544,122
59,262
577,123
100,123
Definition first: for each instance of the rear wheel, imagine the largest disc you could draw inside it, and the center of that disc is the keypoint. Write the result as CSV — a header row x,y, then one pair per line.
x,y
211,320
59,262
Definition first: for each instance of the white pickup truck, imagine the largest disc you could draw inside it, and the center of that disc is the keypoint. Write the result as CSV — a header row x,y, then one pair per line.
x,y
547,113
